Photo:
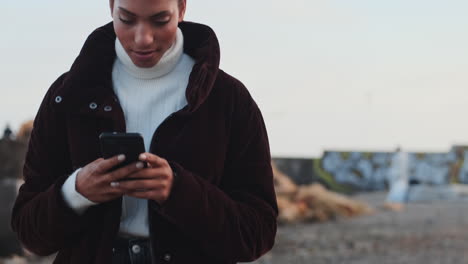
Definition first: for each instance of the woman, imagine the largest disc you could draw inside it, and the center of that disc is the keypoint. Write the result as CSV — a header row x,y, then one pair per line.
x,y
207,195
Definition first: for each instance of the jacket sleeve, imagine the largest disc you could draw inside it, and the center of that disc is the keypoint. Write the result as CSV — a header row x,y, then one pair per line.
x,y
235,221
40,216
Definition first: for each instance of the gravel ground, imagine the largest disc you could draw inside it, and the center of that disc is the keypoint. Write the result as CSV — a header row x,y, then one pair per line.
x,y
423,233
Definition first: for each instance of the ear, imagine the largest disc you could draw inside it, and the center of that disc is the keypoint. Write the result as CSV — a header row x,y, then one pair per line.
x,y
182,6
111,4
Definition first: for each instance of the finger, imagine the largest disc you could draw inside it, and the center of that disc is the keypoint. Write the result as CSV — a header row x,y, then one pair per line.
x,y
114,195
141,194
97,161
153,195
106,164
123,172
115,192
95,164
152,159
149,173
138,185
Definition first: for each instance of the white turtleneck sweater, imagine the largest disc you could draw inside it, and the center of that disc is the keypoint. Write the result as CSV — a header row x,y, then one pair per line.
x,y
147,97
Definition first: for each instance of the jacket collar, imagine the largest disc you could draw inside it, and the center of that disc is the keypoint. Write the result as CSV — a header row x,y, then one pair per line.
x,y
89,81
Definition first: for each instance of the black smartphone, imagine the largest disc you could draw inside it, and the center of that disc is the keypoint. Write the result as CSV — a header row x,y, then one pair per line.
x,y
114,143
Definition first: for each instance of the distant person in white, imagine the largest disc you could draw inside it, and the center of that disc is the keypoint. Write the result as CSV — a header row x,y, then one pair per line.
x,y
398,178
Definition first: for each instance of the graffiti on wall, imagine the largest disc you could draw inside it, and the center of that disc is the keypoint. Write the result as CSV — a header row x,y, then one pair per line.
x,y
371,171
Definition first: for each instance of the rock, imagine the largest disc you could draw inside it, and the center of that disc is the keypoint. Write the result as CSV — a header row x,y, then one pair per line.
x,y
326,205
397,207
312,202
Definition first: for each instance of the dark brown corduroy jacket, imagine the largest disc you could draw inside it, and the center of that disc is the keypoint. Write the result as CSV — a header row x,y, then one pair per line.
x,y
222,208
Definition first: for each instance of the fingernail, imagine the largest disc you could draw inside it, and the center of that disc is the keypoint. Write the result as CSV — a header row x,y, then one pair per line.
x,y
139,165
121,157
142,156
114,184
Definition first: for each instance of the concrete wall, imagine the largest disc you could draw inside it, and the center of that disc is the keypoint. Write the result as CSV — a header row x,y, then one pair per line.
x,y
349,172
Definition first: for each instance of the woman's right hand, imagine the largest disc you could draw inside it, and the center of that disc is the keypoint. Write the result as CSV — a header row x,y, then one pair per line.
x,y
94,180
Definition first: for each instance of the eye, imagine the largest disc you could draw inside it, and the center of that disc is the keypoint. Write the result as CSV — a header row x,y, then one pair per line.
x,y
161,23
125,21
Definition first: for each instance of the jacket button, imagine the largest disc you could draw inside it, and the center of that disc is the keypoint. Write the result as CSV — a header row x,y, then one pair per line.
x,y
136,249
93,105
167,257
108,108
58,99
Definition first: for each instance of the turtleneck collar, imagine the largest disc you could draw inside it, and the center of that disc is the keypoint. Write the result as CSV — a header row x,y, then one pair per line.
x,y
165,65
90,77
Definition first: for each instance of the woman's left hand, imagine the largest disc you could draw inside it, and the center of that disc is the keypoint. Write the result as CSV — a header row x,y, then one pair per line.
x,y
153,182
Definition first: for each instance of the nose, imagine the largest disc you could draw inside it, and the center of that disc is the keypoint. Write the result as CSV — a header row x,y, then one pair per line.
x,y
143,35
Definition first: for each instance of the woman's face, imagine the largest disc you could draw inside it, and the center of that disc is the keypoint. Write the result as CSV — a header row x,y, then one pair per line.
x,y
146,28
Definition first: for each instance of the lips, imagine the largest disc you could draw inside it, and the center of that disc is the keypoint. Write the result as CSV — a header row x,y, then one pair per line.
x,y
144,54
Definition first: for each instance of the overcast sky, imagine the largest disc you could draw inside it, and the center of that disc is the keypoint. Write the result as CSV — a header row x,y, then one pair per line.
x,y
327,74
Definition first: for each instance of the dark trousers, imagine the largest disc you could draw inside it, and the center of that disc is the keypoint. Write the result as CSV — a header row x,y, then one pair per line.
x,y
131,251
